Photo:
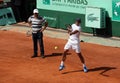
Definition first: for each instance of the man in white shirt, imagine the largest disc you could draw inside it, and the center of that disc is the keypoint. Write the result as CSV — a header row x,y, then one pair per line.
x,y
73,43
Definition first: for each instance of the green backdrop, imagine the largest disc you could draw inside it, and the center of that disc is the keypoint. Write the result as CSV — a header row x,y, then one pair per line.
x,y
58,16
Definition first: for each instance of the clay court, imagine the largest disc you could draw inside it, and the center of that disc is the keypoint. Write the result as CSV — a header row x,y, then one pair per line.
x,y
17,66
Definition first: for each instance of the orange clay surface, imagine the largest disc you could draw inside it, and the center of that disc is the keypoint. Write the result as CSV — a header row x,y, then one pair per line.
x,y
17,66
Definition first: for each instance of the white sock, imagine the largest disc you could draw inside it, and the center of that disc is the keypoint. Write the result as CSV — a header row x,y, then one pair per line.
x,y
62,63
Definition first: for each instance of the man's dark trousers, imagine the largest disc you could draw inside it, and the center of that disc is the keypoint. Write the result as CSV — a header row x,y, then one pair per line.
x,y
38,37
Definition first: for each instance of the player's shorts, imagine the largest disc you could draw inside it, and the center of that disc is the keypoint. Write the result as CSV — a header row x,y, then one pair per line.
x,y
73,45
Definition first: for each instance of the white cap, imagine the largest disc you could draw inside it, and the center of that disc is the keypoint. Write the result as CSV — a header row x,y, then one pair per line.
x,y
35,11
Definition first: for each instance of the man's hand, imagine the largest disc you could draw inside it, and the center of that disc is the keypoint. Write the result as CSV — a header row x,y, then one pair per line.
x,y
45,26
69,28
42,29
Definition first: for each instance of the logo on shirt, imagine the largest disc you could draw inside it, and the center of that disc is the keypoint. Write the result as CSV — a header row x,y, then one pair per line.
x,y
92,18
46,2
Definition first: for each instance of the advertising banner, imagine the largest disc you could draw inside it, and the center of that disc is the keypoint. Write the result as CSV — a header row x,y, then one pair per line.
x,y
74,6
7,16
116,10
7,0
95,17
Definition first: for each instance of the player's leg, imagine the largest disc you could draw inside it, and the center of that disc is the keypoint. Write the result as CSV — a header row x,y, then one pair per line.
x,y
41,44
34,37
81,58
64,55
63,60
82,61
66,49
78,52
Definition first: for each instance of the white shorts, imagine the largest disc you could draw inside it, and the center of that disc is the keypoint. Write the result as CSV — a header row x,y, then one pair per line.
x,y
71,45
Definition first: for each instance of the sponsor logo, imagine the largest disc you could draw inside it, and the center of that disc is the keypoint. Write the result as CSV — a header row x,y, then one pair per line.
x,y
92,18
46,2
84,2
50,18
116,9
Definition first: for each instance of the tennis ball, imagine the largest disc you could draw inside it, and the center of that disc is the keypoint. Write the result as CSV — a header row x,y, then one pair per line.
x,y
56,47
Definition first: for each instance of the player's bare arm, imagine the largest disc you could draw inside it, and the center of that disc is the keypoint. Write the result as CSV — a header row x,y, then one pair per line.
x,y
69,28
74,32
69,31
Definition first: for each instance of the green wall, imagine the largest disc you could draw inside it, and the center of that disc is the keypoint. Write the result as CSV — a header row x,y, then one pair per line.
x,y
62,18
116,28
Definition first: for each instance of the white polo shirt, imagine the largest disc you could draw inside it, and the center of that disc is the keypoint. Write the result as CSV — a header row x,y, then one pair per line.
x,y
74,38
